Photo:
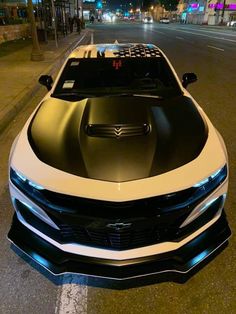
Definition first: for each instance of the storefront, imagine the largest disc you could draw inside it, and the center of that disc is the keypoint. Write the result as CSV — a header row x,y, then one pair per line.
x,y
218,13
194,13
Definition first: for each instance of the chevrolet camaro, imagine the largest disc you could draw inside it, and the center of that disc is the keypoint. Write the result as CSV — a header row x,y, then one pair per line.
x,y
118,172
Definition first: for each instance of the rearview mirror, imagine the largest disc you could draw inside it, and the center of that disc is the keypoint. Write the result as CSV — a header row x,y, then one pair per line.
x,y
46,80
188,78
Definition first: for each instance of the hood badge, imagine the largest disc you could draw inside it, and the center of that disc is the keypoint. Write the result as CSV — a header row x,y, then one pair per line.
x,y
117,226
117,130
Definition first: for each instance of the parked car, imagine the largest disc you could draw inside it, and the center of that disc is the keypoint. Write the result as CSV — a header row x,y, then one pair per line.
x,y
165,20
231,23
118,172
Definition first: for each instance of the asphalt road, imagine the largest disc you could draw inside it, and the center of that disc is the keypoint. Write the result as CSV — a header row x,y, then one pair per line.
x,y
27,288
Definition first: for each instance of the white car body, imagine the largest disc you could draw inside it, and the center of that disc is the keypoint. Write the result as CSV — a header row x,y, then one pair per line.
x,y
231,23
164,20
40,175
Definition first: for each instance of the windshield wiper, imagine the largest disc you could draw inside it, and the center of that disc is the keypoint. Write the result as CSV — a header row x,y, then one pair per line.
x,y
75,94
133,95
149,96
82,96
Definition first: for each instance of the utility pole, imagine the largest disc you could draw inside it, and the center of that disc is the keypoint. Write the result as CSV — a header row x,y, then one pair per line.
x,y
36,54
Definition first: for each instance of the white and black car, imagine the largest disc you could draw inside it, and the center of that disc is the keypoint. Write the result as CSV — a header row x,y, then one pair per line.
x,y
118,172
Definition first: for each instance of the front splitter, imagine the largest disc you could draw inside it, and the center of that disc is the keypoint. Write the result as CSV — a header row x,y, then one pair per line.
x,y
179,261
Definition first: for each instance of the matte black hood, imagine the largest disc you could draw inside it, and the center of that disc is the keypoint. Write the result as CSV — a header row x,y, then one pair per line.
x,y
117,138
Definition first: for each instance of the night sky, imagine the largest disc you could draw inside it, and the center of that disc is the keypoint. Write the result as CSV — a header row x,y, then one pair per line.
x,y
115,4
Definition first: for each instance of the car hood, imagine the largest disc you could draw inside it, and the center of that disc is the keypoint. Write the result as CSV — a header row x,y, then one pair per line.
x,y
117,139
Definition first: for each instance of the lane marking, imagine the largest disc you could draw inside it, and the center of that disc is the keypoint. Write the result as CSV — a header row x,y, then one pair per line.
x,y
204,35
160,32
72,296
181,38
213,47
92,39
207,31
77,43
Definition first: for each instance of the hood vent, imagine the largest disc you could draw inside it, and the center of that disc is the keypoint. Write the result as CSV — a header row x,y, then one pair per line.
x,y
117,130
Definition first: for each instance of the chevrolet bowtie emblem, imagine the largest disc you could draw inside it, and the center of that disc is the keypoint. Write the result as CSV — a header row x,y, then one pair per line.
x,y
118,131
117,226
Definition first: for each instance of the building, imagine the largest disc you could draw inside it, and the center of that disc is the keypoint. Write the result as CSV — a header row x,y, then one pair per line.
x,y
14,18
212,12
12,11
220,12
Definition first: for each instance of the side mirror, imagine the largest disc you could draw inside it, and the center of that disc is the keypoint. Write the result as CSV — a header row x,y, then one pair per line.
x,y
188,78
46,80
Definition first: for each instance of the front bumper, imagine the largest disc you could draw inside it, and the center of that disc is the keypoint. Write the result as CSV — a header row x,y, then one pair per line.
x,y
181,260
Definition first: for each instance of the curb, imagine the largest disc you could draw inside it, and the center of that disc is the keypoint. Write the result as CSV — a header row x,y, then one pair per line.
x,y
19,101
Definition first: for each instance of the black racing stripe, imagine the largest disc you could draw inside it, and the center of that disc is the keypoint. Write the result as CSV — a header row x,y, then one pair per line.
x,y
177,135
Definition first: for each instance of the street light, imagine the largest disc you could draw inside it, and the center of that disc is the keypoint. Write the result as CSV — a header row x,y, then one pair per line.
x,y
36,54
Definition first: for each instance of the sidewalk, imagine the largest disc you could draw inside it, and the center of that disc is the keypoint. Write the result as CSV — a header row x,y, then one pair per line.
x,y
218,27
19,75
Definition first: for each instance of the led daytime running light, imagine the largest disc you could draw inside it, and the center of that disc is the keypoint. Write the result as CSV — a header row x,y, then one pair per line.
x,y
204,181
24,179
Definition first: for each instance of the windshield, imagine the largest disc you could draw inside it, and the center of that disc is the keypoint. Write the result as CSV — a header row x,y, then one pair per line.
x,y
96,77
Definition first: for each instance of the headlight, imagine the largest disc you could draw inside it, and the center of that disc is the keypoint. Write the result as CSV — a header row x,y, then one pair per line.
x,y
204,181
30,190
206,186
16,176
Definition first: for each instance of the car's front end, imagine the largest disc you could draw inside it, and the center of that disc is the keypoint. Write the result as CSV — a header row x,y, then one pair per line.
x,y
148,20
165,20
231,23
168,233
102,191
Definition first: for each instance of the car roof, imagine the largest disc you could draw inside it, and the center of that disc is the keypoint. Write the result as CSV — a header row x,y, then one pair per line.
x,y
116,50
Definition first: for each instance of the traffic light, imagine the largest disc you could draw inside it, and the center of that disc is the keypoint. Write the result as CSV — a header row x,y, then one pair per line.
x,y
99,5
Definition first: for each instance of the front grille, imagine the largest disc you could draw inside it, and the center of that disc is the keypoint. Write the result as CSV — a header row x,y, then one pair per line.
x,y
97,233
124,239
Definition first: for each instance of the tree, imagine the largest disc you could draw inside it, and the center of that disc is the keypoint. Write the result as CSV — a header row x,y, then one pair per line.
x,y
36,54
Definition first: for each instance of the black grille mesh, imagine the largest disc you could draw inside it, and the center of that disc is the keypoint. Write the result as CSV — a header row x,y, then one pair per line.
x,y
120,239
